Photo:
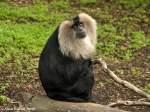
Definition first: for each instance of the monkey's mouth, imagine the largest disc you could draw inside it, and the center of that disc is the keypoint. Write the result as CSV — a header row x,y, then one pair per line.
x,y
80,34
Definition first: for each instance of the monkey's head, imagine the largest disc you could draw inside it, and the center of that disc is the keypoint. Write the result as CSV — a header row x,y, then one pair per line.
x,y
77,37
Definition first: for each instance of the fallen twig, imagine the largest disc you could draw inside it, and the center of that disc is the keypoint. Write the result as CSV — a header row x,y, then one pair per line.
x,y
120,81
130,103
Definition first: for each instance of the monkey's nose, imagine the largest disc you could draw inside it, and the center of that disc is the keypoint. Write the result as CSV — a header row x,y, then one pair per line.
x,y
81,34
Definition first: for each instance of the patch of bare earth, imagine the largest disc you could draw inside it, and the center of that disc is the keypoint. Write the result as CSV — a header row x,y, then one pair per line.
x,y
105,89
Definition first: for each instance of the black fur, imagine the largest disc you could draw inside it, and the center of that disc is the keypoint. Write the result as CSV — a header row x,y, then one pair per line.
x,y
62,77
76,20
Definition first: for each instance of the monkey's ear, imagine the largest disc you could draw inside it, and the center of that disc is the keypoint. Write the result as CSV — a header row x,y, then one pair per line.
x,y
65,25
87,19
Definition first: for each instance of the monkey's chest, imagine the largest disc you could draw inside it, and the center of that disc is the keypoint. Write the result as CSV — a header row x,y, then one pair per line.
x,y
70,73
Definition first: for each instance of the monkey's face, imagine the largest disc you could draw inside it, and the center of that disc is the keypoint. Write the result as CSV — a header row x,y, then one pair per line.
x,y
77,37
78,28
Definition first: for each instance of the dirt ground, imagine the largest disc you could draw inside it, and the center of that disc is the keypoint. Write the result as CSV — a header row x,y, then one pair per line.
x,y
105,90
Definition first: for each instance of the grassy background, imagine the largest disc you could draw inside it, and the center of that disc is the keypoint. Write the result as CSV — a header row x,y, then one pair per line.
x,y
123,29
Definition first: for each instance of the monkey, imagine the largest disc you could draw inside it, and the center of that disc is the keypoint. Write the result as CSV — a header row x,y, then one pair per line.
x,y
65,66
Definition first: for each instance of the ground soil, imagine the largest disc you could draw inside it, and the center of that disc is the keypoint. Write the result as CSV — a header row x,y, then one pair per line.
x,y
105,90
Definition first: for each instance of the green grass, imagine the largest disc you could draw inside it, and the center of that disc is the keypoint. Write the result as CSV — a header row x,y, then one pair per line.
x,y
87,2
24,30
109,42
38,12
147,88
60,4
3,99
22,38
133,3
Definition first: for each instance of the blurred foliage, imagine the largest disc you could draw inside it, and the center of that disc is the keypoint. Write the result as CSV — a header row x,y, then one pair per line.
x,y
147,88
24,29
60,4
134,3
2,99
87,2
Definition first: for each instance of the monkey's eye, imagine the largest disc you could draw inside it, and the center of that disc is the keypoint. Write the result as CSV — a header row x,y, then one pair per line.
x,y
81,24
74,26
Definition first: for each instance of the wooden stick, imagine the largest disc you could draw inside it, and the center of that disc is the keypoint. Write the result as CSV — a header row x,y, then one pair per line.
x,y
130,103
120,81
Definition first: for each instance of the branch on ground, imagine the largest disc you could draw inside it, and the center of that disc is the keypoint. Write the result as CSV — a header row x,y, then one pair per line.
x,y
122,82
126,84
130,103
